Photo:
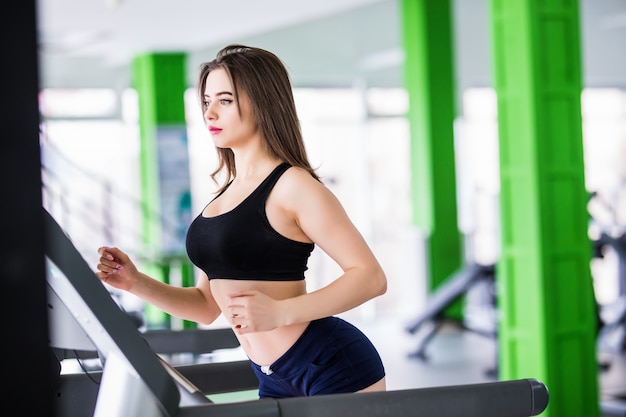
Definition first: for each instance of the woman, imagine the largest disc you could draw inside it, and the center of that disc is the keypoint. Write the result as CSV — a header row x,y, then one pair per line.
x,y
252,242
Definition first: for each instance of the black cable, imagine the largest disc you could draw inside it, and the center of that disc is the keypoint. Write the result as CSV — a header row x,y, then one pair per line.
x,y
82,366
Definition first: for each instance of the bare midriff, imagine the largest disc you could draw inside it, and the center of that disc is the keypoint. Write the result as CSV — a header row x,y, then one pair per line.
x,y
263,348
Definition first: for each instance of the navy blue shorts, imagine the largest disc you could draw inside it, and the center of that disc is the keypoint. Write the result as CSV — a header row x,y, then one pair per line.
x,y
332,356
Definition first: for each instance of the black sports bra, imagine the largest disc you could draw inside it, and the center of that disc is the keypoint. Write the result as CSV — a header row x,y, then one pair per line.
x,y
241,243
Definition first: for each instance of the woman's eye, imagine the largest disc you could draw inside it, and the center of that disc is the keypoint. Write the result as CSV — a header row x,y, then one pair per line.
x,y
222,101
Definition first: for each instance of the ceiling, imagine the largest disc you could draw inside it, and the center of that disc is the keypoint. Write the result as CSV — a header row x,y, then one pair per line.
x,y
90,43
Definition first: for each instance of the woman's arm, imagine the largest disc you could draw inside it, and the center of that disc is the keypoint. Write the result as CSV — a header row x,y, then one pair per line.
x,y
320,215
323,219
188,303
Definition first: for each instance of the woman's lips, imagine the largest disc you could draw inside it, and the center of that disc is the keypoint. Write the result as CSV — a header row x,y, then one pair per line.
x,y
214,130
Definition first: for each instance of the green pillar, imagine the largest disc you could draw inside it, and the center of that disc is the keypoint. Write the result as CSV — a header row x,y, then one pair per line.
x,y
429,80
547,322
160,81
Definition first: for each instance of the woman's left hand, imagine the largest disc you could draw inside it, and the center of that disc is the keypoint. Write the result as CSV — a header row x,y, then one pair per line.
x,y
253,311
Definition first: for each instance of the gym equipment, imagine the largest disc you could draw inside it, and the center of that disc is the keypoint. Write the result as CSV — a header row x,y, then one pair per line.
x,y
610,235
164,342
135,382
606,233
452,290
612,316
77,393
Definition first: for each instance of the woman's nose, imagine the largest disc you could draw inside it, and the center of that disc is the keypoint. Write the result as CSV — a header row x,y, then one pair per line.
x,y
209,114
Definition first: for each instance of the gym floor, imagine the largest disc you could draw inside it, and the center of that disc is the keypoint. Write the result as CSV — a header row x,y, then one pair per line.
x,y
458,357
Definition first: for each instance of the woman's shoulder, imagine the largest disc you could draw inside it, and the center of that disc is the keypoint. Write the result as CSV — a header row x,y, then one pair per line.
x,y
296,177
298,188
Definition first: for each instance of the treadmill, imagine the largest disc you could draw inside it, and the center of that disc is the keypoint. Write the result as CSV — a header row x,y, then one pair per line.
x,y
136,382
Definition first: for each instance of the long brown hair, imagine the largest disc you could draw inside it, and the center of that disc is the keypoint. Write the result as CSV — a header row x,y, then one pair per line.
x,y
264,78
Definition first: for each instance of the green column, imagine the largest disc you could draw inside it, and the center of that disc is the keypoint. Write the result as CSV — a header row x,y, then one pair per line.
x,y
547,327
429,80
160,81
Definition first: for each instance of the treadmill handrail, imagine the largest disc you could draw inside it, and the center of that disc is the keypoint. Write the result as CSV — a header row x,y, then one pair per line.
x,y
62,252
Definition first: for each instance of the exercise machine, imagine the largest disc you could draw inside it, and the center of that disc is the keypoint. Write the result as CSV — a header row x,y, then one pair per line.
x,y
136,382
611,236
164,342
470,277
76,393
608,237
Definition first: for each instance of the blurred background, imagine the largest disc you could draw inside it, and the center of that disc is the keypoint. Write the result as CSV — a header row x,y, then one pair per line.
x,y
346,62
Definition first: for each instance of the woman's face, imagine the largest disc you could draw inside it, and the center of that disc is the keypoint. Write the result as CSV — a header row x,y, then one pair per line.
x,y
228,128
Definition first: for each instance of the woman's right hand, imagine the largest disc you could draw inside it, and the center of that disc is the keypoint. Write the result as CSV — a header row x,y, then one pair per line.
x,y
115,268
